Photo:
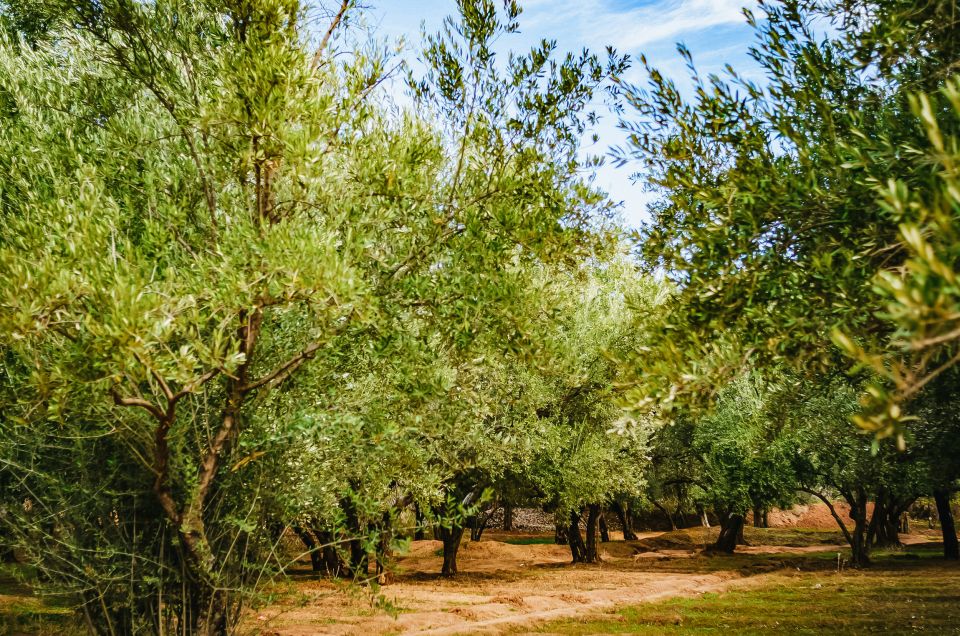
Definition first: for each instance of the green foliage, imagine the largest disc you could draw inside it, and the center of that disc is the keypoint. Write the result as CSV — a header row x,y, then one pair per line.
x,y
243,292
771,220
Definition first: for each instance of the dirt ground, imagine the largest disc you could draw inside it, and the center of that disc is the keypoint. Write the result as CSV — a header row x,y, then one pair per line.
x,y
810,516
502,587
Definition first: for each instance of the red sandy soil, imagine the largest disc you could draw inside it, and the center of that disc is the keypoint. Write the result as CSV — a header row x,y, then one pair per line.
x,y
815,516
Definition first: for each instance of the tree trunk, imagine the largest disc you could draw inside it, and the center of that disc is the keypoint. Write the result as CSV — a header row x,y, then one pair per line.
x,y
310,542
904,524
419,533
480,523
561,533
760,519
731,527
704,520
951,549
451,538
883,531
592,552
604,530
358,555
665,512
681,518
382,551
507,517
577,548
330,557
622,510
859,545
214,621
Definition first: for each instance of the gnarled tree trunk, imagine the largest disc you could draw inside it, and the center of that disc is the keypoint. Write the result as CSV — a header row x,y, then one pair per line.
x,y
731,528
330,558
451,538
310,543
951,549
604,530
622,510
859,545
666,513
578,550
358,555
704,519
592,552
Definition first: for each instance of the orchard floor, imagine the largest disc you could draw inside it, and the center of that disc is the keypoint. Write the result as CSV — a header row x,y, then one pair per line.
x,y
515,583
786,581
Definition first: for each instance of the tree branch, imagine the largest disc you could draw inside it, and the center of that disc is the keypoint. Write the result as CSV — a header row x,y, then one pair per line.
x,y
285,370
833,511
148,406
193,386
326,36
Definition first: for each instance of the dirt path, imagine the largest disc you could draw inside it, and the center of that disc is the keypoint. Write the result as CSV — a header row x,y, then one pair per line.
x,y
503,587
506,587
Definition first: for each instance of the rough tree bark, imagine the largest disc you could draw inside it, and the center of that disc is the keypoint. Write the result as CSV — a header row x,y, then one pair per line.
x,y
451,538
760,517
382,554
358,565
731,527
578,550
592,552
604,530
860,546
622,510
560,533
884,529
951,548
310,543
507,517
333,565
704,519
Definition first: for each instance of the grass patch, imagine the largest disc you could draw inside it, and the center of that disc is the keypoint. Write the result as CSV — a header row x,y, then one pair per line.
x,y
22,613
698,538
530,540
897,596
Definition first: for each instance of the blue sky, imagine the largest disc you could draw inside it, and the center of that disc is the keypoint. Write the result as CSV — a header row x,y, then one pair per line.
x,y
714,30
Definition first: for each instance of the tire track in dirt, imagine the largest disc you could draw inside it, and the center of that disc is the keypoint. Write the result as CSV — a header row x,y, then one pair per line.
x,y
689,585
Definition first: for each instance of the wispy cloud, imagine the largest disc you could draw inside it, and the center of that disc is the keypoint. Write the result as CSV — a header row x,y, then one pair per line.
x,y
630,27
715,31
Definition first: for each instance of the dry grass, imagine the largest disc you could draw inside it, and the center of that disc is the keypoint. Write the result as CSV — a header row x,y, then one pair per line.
x,y
904,592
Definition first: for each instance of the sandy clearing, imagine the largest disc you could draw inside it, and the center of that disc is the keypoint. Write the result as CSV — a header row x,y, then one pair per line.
x,y
442,607
502,586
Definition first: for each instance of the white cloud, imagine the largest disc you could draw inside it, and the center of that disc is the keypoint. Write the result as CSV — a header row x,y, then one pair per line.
x,y
629,28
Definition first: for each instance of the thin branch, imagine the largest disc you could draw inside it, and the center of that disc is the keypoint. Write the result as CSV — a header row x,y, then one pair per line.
x,y
326,36
167,393
150,407
936,340
193,386
285,370
833,511
909,391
